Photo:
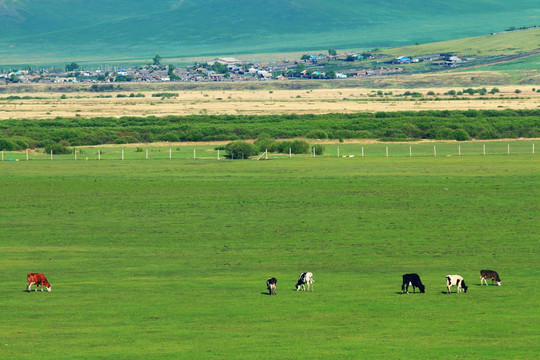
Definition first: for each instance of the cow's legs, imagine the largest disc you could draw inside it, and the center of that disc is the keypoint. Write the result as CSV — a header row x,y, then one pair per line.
x,y
29,287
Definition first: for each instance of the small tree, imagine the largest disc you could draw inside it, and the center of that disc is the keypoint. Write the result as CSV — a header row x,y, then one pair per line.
x,y
332,52
157,60
240,150
72,67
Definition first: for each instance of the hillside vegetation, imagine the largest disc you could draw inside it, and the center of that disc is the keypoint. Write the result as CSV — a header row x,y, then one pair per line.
x,y
102,29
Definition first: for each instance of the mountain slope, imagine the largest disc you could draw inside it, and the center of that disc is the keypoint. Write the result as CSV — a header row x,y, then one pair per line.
x,y
58,30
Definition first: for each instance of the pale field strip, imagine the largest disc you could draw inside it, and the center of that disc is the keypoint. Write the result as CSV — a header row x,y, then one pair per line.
x,y
257,102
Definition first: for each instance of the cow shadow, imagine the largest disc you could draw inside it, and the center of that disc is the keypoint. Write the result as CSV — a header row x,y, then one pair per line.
x,y
265,293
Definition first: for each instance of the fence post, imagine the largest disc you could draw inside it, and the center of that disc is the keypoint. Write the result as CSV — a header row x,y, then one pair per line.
x,y
2,155
218,154
26,154
362,151
99,154
410,151
194,154
51,155
338,151
533,149
314,151
508,149
170,154
434,150
122,154
484,149
146,154
75,152
266,154
290,153
459,150
387,151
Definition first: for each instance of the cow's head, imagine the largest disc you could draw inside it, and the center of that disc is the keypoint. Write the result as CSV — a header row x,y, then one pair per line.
x,y
498,283
464,287
422,288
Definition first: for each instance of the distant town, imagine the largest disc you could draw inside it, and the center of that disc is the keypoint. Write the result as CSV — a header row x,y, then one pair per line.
x,y
309,66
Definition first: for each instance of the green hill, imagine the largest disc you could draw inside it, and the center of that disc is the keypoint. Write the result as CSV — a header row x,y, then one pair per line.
x,y
101,30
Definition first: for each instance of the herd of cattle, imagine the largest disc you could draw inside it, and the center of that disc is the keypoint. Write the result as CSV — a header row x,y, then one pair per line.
x,y
306,281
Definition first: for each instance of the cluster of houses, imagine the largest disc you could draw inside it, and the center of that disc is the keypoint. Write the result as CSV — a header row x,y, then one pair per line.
x,y
229,69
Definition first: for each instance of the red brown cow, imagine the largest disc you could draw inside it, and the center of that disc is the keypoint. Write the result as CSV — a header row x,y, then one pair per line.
x,y
38,279
489,274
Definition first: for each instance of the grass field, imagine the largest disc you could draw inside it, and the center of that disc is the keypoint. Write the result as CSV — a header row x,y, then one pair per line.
x,y
168,259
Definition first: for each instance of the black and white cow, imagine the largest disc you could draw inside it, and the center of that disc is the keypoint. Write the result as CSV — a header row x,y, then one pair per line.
x,y
305,279
489,274
271,285
414,281
456,280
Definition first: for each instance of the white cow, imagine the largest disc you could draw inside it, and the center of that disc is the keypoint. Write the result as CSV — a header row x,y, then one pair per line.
x,y
456,280
305,278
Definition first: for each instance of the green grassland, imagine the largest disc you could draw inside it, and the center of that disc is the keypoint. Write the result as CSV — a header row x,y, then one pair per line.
x,y
508,43
131,30
168,259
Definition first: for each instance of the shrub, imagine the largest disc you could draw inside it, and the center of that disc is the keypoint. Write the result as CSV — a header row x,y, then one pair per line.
x,y
319,149
517,91
240,150
266,142
317,134
461,135
57,148
170,137
7,145
494,90
21,144
296,146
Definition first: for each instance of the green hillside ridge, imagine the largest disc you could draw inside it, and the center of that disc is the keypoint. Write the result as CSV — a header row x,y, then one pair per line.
x,y
37,32
514,42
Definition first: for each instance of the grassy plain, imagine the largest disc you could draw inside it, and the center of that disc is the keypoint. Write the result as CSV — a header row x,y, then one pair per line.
x,y
47,105
168,259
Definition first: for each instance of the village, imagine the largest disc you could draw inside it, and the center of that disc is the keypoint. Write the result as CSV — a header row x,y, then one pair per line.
x,y
309,66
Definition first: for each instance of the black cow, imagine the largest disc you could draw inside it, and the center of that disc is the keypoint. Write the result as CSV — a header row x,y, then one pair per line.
x,y
489,274
271,285
414,281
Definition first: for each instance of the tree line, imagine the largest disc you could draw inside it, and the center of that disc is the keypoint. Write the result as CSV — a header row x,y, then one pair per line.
x,y
402,125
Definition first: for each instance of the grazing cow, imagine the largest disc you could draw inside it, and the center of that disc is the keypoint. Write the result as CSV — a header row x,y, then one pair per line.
x,y
38,279
456,280
305,278
414,281
271,285
489,274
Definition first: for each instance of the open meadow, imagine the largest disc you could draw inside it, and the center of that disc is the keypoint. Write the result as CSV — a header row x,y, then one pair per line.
x,y
167,259
49,105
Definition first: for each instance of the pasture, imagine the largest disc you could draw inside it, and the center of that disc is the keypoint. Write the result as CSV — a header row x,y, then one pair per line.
x,y
168,259
350,98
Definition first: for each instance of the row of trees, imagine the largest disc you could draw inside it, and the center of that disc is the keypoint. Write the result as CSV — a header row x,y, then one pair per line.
x,y
444,125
